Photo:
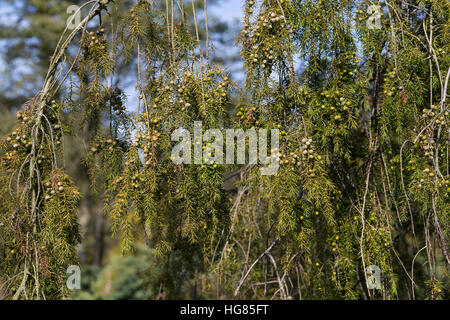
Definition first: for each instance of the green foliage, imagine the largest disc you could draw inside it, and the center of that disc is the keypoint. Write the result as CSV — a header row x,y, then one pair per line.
x,y
363,176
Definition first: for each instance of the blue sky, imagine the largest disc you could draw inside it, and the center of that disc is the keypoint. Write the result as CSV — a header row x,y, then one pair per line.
x,y
228,9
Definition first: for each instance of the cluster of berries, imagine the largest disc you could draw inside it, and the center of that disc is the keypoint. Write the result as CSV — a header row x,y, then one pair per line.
x,y
248,116
116,102
94,42
52,188
428,145
433,112
106,144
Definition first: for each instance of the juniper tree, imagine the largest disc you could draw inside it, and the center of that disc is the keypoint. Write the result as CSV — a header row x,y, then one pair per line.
x,y
363,176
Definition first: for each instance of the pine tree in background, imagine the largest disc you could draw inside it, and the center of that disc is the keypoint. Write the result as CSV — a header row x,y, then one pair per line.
x,y
363,178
